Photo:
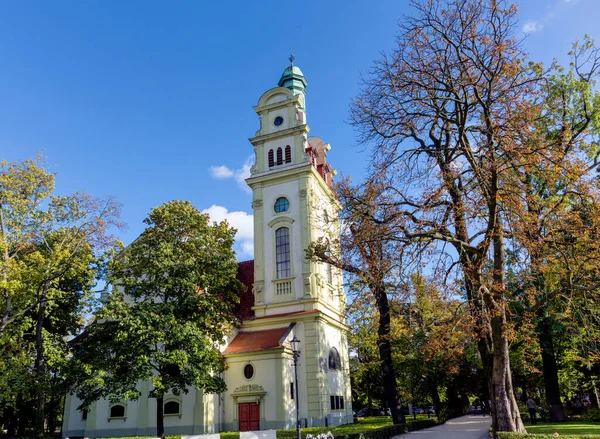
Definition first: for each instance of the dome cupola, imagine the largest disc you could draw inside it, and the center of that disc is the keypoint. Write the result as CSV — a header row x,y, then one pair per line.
x,y
293,78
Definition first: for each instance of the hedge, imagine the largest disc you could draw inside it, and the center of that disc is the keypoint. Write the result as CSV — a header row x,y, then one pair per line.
x,y
505,435
389,431
379,433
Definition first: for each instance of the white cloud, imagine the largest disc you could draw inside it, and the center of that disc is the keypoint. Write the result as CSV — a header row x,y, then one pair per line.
x,y
220,172
532,26
553,10
239,175
243,222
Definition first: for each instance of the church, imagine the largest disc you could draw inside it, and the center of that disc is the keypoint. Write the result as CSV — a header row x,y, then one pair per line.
x,y
286,296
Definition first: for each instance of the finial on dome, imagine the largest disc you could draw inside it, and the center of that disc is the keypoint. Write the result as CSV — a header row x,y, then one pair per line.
x,y
293,78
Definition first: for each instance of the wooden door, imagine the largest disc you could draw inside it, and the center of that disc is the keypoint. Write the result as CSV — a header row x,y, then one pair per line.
x,y
249,416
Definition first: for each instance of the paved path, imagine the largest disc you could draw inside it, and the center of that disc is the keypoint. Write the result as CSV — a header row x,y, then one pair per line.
x,y
465,427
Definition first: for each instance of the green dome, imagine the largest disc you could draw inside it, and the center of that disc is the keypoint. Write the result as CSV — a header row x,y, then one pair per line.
x,y
293,78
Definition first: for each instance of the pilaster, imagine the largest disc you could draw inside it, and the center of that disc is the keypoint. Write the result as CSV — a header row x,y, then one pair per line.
x,y
142,417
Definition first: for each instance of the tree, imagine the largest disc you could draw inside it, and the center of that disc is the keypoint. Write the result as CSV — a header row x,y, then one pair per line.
x,y
558,191
452,114
367,252
51,247
171,307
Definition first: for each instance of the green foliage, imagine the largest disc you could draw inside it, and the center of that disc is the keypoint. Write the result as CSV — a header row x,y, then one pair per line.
x,y
364,428
573,428
230,435
505,435
592,415
172,305
51,252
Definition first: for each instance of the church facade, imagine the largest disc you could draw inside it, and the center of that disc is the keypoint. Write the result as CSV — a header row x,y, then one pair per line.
x,y
287,296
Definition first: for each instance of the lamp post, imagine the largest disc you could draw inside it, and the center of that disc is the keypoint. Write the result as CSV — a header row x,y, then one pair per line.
x,y
296,350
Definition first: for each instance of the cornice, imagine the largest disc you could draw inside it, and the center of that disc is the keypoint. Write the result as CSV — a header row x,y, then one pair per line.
x,y
298,129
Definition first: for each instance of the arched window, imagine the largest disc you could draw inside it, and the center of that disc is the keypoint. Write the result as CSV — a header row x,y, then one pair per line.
x,y
282,204
282,252
279,156
325,217
288,154
271,159
117,411
171,408
334,360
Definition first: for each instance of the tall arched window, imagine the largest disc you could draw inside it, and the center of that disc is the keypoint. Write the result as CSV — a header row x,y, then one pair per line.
x,y
282,252
271,159
288,154
334,360
279,156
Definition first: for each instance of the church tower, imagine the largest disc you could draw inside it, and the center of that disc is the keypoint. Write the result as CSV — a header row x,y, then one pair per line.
x,y
294,205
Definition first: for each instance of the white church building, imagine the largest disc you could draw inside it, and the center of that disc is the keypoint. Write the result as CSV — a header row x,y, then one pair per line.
x,y
286,296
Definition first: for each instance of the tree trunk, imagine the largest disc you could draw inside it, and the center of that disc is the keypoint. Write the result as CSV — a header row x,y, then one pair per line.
x,y
369,400
550,370
160,419
594,397
11,425
504,404
435,396
40,365
385,355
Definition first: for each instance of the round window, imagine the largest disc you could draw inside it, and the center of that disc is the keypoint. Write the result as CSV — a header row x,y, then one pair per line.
x,y
278,121
248,371
282,205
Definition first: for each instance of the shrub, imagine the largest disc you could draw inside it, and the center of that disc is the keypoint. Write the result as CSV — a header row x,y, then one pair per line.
x,y
444,414
379,433
420,424
505,435
592,415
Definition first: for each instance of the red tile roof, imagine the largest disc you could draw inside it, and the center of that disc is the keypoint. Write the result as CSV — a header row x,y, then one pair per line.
x,y
245,275
256,341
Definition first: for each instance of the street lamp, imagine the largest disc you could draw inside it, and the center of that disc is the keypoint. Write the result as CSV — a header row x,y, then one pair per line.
x,y
296,350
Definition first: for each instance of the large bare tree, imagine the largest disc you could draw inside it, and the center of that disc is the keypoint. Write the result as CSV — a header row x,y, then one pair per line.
x,y
445,111
461,125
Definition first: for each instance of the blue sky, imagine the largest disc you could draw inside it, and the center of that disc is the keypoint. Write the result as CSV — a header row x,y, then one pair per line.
x,y
152,101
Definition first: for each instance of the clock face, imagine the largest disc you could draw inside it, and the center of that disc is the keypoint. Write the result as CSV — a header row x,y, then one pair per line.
x,y
278,121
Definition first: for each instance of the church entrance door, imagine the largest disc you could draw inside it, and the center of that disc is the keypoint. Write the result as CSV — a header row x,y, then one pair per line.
x,y
249,416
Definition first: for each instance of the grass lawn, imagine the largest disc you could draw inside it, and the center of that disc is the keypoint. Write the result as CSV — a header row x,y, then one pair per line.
x,y
569,428
362,424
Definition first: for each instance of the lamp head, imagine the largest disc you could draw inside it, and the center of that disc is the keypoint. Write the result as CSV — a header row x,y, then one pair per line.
x,y
295,344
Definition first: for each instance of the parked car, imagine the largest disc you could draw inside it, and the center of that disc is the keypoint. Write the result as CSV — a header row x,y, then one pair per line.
x,y
374,410
419,410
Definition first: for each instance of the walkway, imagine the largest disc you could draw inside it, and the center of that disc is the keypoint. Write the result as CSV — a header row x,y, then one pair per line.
x,y
465,427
